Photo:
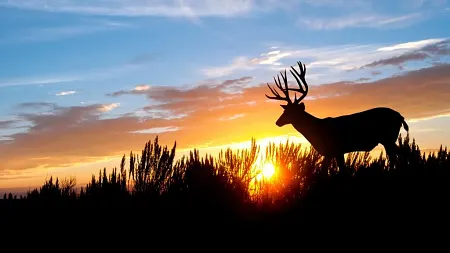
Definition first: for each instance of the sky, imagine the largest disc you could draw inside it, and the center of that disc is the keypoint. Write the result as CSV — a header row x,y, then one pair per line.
x,y
84,82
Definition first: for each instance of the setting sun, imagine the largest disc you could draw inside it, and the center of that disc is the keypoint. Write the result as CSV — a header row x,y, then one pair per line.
x,y
267,171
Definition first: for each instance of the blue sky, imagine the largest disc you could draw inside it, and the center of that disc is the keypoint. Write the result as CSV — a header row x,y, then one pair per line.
x,y
61,61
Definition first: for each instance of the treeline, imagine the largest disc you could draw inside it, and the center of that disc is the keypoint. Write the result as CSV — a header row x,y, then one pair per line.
x,y
230,182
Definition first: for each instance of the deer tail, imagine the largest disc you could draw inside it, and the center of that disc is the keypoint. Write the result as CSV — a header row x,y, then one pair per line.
x,y
405,126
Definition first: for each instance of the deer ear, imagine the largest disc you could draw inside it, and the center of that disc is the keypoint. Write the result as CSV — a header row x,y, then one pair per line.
x,y
302,106
283,106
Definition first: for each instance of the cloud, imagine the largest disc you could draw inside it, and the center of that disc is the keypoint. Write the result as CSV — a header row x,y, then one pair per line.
x,y
108,107
141,87
65,93
233,117
325,64
211,91
441,48
357,21
239,63
411,45
39,80
37,105
72,30
370,5
398,60
138,89
69,135
5,124
421,3
185,8
157,130
95,74
272,58
343,14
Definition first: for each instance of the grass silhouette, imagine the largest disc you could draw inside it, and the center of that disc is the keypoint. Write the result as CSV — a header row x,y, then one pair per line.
x,y
226,188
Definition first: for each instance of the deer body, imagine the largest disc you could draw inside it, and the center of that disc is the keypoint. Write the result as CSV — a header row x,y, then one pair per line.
x,y
333,137
361,131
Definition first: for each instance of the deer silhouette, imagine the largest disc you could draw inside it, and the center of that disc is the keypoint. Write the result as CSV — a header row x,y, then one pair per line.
x,y
332,137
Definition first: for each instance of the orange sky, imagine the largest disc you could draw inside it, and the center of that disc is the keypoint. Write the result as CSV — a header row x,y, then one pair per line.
x,y
215,118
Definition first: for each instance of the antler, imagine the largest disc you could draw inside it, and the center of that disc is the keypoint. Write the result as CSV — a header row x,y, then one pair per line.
x,y
304,92
286,90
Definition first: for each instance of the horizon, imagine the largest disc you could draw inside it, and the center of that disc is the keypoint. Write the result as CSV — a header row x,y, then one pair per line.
x,y
82,84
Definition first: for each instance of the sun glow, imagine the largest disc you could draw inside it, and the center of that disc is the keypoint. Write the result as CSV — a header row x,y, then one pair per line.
x,y
267,171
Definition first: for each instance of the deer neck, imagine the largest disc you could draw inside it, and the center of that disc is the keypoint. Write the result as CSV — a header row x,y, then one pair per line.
x,y
307,125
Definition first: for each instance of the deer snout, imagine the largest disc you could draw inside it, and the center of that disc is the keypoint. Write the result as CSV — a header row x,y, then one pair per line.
x,y
282,120
279,122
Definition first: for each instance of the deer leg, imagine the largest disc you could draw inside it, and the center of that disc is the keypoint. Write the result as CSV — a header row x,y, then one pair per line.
x,y
341,163
391,152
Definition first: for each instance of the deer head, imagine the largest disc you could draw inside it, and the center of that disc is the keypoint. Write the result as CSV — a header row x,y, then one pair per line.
x,y
294,108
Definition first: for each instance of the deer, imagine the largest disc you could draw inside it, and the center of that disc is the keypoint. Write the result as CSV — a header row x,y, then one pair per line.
x,y
333,137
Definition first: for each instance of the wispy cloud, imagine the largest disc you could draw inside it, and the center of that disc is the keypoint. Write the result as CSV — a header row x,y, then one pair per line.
x,y
236,116
157,130
239,63
369,4
356,21
142,87
181,8
108,107
272,57
342,14
55,32
411,45
74,30
329,63
5,124
37,105
138,89
65,93
435,50
95,74
39,80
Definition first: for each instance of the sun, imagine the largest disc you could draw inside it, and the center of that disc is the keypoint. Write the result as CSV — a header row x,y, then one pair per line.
x,y
268,170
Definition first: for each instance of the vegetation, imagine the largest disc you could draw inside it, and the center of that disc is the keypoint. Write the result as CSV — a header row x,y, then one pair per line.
x,y
230,187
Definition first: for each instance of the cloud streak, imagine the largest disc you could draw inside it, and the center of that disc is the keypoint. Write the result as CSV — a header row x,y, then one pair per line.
x,y
65,93
410,45
69,31
358,21
430,51
96,74
138,89
239,63
185,8
331,62
6,124
39,80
